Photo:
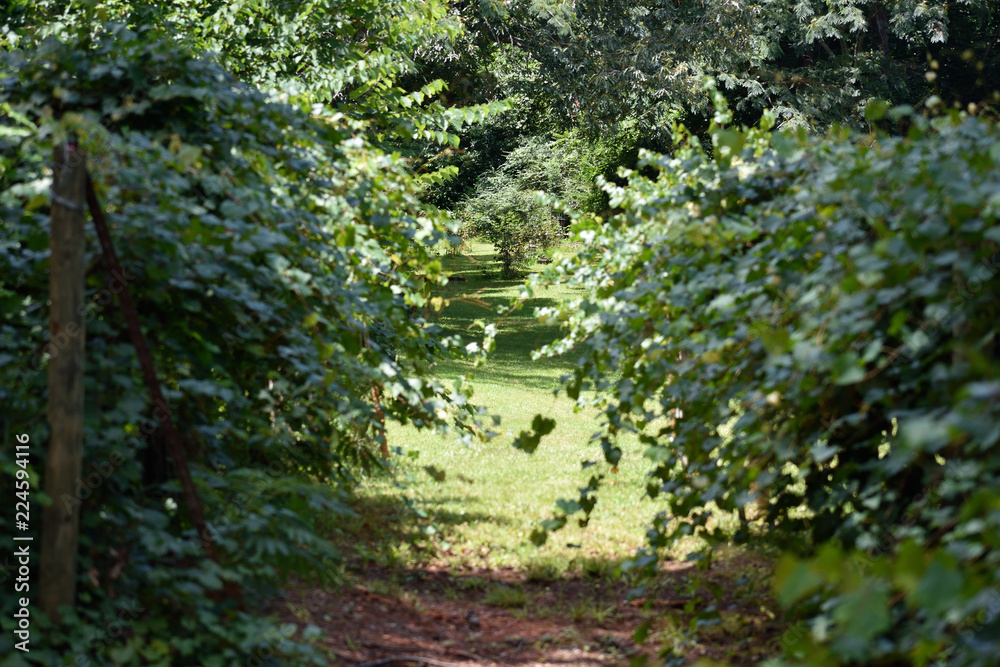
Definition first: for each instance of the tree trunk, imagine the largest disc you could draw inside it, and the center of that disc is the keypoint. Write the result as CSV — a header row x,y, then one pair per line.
x,y
64,458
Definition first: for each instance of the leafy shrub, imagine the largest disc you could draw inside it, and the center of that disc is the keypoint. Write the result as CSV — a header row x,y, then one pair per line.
x,y
811,325
261,246
505,208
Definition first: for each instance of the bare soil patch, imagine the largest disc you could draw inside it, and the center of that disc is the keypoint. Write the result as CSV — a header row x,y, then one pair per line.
x,y
435,617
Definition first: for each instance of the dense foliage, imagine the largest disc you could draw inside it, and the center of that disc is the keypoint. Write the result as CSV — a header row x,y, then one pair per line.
x,y
625,72
344,55
264,247
812,63
804,331
513,206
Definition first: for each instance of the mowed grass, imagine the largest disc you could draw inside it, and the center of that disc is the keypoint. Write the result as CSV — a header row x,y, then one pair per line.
x,y
493,495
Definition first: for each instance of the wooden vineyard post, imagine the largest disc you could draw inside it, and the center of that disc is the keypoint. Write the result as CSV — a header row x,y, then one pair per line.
x,y
64,457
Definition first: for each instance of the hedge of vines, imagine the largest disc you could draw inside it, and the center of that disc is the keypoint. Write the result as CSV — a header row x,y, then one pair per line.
x,y
264,246
821,318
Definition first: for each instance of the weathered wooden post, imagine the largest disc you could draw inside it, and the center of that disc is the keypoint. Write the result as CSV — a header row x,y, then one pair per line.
x,y
64,458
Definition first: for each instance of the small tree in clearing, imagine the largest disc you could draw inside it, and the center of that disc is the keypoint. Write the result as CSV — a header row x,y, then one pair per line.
x,y
505,209
519,231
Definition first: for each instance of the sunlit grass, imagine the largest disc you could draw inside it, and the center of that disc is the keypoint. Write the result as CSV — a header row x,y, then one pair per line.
x,y
493,496
502,595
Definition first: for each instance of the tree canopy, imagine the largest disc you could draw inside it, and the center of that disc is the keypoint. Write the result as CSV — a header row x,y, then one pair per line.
x,y
811,63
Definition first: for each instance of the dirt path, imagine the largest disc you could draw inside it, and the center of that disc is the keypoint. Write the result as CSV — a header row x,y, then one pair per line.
x,y
432,617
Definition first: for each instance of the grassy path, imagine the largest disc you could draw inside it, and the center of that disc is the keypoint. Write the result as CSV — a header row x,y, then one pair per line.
x,y
463,584
494,495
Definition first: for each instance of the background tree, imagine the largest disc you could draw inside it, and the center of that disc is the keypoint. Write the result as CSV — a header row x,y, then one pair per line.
x,y
506,209
812,63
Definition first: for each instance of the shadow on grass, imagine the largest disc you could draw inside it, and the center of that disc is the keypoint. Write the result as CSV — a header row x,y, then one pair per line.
x,y
519,335
386,520
586,591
